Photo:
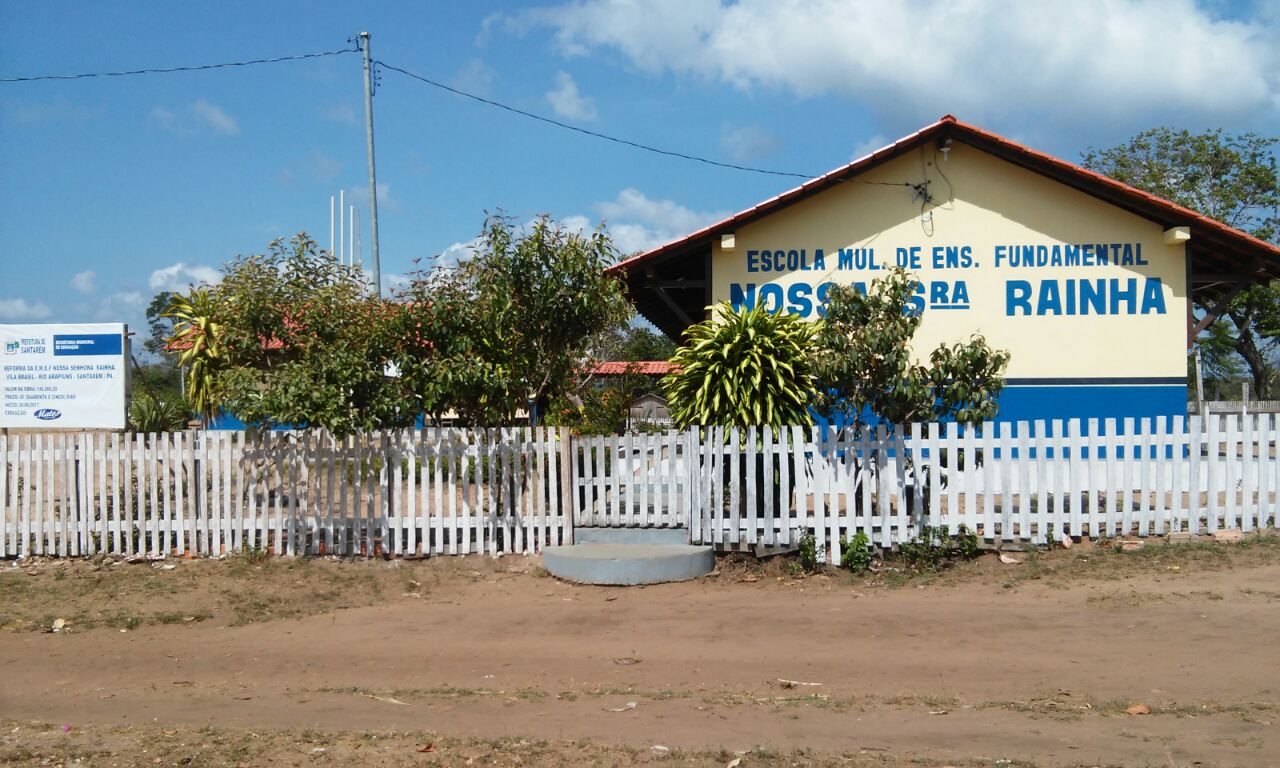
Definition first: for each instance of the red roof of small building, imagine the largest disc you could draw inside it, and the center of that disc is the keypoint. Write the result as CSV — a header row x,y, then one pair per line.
x,y
642,367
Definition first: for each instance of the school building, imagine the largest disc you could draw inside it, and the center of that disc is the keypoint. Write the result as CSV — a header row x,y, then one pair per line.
x,y
1086,281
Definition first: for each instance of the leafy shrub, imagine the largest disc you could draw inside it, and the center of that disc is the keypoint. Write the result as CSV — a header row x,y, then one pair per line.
x,y
966,543
927,550
808,551
855,553
933,547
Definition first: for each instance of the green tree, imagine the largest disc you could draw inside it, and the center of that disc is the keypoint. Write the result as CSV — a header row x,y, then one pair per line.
x,y
863,361
1218,359
1231,178
304,343
742,367
159,326
290,337
635,343
512,325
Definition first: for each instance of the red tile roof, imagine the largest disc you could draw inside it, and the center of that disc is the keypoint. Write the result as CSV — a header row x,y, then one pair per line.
x,y
622,368
1113,191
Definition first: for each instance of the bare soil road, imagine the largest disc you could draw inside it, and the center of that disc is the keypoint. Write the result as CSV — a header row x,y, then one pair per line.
x,y
482,662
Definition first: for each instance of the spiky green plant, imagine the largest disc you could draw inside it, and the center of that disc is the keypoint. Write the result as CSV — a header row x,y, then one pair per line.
x,y
197,338
743,367
150,414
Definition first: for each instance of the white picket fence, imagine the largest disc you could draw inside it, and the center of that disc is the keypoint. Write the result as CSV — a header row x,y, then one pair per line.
x,y
496,491
1025,481
409,492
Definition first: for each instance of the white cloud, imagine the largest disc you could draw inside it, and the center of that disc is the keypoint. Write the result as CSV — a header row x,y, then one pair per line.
x,y
21,309
342,112
867,146
199,114
83,282
216,117
1080,62
745,143
177,277
359,197
55,110
639,223
474,77
322,166
634,221
394,282
568,102
455,253
121,307
164,118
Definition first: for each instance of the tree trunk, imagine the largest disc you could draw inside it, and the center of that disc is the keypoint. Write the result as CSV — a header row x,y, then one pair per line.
x,y
1257,362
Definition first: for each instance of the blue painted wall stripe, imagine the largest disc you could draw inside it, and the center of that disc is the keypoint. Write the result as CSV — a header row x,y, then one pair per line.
x,y
1119,381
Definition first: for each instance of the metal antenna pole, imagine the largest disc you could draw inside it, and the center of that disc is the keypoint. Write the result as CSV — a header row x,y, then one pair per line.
x,y
373,177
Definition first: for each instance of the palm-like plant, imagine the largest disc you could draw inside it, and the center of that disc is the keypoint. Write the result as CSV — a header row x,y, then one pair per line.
x,y
150,414
197,339
742,368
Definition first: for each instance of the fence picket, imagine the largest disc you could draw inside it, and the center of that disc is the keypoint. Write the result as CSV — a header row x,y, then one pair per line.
x,y
1231,453
1160,508
751,500
1267,489
781,449
1177,478
1026,484
1004,479
1249,473
934,483
737,488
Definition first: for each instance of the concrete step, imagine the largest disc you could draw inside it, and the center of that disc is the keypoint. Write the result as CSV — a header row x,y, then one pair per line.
x,y
628,564
602,535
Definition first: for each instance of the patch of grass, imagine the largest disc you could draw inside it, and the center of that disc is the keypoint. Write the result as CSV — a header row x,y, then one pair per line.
x,y
1065,708
45,744
1156,557
895,579
96,593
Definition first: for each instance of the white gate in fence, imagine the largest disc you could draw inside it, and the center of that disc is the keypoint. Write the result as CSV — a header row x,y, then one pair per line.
x,y
634,480
460,491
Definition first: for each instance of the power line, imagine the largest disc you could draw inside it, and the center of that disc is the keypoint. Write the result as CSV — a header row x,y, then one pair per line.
x,y
615,139
192,68
456,91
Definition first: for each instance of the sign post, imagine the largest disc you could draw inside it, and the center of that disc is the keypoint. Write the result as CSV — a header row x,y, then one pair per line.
x,y
64,376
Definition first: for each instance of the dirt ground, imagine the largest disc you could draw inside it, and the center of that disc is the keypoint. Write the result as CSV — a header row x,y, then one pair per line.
x,y
474,661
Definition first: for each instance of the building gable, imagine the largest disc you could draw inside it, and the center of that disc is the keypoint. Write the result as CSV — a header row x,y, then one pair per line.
x,y
1000,251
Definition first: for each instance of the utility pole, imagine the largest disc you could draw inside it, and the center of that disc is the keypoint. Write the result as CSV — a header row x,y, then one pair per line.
x,y
373,176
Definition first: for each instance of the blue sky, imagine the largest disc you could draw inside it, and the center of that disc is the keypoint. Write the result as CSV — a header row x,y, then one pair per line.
x,y
115,188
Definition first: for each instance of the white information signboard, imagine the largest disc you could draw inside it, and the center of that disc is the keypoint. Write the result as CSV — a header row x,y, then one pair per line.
x,y
66,376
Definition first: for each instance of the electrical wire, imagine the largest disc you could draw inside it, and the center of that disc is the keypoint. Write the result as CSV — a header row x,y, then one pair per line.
x,y
617,140
458,92
192,68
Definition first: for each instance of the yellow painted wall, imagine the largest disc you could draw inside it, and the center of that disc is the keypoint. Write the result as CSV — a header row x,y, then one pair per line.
x,y
992,203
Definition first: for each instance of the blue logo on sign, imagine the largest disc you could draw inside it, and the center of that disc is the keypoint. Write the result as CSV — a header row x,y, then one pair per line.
x,y
48,414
